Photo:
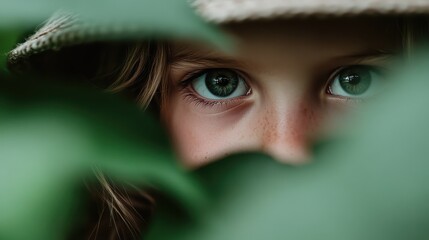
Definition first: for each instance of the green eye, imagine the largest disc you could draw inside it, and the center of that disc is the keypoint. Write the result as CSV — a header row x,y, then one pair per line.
x,y
356,82
218,84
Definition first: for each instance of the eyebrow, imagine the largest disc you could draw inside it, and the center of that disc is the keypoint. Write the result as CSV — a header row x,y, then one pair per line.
x,y
210,59
207,62
376,55
203,59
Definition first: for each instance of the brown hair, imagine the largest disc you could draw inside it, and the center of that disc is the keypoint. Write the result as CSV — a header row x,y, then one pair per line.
x,y
123,211
144,69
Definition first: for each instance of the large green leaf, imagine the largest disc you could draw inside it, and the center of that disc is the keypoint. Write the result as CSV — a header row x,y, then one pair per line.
x,y
51,137
100,20
369,182
8,39
123,20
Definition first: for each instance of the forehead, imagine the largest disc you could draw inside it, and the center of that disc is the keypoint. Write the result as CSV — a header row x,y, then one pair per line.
x,y
379,32
314,38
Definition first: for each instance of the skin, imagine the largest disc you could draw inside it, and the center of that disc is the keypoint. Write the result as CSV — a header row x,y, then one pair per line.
x,y
288,67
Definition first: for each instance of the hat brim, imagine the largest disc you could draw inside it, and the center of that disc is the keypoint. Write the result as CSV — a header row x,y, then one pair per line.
x,y
221,11
65,30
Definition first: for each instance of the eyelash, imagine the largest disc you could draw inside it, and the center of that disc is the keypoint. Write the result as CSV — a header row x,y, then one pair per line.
x,y
198,101
190,95
381,70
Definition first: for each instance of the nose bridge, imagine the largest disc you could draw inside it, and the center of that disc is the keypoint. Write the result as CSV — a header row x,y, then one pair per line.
x,y
286,127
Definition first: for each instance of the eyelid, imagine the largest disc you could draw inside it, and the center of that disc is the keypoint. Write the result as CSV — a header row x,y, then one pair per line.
x,y
208,105
328,89
379,69
331,78
190,76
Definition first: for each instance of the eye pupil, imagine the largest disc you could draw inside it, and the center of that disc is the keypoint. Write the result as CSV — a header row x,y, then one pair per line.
x,y
352,79
221,83
355,81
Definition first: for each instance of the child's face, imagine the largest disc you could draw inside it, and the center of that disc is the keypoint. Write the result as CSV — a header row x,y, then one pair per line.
x,y
276,92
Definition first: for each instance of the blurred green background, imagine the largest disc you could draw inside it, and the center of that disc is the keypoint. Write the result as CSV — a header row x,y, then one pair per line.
x,y
367,181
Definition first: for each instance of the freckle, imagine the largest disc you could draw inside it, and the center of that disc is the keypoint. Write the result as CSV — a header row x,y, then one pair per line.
x,y
269,131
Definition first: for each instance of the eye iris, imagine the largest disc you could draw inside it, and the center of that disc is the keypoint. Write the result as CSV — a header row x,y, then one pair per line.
x,y
355,81
221,83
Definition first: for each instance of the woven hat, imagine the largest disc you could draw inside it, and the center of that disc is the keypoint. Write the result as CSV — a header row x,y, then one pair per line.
x,y
65,30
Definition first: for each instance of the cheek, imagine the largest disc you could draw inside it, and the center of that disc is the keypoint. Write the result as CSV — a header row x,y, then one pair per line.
x,y
201,138
285,132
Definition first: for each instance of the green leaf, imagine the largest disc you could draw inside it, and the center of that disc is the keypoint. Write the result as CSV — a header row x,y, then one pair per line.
x,y
8,39
120,20
369,182
51,137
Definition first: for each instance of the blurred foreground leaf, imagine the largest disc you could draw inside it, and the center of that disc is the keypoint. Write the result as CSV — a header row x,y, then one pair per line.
x,y
8,39
111,19
369,182
51,137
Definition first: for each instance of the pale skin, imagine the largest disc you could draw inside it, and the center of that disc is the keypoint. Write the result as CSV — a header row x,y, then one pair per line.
x,y
286,86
